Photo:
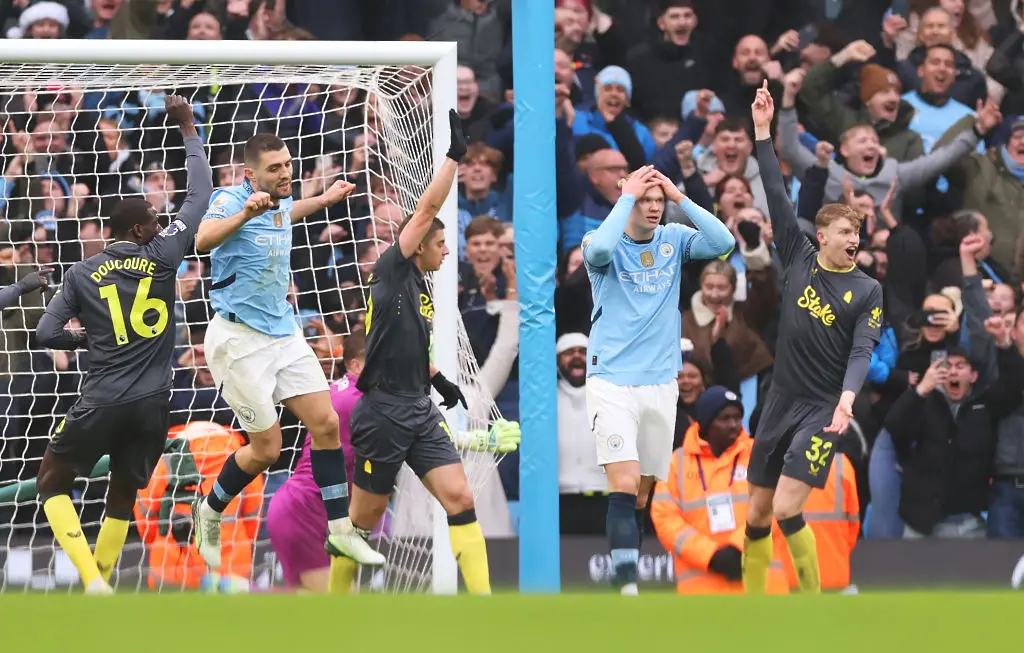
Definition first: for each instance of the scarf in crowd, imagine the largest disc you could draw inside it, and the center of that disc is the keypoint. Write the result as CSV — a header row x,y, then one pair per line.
x,y
1015,168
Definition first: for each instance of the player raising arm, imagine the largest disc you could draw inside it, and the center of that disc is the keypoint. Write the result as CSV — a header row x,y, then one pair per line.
x,y
123,297
29,283
395,421
255,349
831,321
635,266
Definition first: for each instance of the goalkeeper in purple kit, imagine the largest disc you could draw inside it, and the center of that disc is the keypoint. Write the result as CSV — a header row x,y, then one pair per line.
x,y
297,519
635,265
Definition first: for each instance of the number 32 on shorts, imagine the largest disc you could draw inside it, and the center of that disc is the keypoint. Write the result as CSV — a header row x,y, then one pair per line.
x,y
818,453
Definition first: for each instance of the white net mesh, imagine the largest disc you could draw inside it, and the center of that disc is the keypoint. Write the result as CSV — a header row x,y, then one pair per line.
x,y
80,137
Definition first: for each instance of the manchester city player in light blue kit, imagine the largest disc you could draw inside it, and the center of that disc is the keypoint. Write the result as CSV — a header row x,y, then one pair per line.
x,y
634,356
255,348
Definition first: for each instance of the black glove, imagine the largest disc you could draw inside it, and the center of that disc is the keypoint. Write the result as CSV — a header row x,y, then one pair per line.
x,y
458,147
751,234
450,393
728,562
35,281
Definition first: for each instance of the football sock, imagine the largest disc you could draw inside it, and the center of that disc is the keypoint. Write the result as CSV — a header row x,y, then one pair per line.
x,y
343,572
230,482
757,556
641,519
66,527
329,474
623,537
109,543
470,551
804,551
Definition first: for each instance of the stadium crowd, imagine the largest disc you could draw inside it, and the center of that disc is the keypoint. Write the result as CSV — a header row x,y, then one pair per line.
x,y
913,115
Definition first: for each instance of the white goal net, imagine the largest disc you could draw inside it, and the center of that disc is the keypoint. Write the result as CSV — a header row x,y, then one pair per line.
x,y
77,138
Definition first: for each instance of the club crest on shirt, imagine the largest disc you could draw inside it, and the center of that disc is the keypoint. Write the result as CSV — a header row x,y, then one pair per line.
x,y
647,259
875,321
848,297
278,220
666,249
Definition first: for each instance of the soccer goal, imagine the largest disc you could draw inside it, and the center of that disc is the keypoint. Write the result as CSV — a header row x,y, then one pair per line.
x,y
84,126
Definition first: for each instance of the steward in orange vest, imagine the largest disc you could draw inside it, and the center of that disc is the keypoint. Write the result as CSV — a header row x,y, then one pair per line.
x,y
192,459
833,513
700,511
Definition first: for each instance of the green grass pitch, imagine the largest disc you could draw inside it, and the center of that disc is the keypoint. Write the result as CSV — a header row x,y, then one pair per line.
x,y
567,623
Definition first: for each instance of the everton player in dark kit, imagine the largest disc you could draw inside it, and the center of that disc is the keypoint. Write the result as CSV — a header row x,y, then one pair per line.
x,y
396,421
124,297
831,321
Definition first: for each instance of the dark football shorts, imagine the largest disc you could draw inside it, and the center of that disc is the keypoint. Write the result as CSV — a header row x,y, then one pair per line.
x,y
791,441
133,434
388,430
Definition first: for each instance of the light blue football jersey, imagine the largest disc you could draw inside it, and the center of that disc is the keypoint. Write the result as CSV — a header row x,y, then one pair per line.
x,y
636,326
252,268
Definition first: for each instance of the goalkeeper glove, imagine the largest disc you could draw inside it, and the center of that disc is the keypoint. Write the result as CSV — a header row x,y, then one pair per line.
x,y
458,146
450,393
504,437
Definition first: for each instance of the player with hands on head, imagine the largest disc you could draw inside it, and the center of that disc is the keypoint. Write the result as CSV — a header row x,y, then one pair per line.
x,y
396,421
256,351
831,321
124,298
635,265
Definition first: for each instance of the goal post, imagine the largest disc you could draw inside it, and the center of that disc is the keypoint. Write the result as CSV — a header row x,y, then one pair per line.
x,y
100,65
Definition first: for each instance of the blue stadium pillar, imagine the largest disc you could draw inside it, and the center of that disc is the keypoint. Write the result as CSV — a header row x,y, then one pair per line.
x,y
536,236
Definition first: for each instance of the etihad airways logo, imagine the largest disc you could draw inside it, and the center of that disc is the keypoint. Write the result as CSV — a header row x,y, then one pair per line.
x,y
812,303
649,281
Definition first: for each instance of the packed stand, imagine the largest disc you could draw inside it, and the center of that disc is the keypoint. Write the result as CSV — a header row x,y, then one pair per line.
x,y
915,120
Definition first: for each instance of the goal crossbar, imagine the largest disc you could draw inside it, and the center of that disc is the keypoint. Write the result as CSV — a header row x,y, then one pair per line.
x,y
131,51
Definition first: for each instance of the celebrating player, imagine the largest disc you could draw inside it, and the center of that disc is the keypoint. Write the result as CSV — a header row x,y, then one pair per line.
x,y
296,520
123,297
395,420
255,348
831,321
635,267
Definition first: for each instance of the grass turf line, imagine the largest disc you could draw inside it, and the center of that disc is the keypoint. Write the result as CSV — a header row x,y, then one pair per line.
x,y
509,622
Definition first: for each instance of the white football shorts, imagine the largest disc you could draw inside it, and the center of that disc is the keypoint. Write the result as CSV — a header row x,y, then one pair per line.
x,y
255,371
634,422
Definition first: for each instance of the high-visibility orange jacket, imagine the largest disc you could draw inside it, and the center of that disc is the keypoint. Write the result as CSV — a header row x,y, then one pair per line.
x,y
833,513
680,514
194,457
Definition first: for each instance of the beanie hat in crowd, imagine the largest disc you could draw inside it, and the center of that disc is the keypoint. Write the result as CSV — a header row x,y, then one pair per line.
x,y
590,143
875,79
690,104
569,341
712,402
618,76
1017,125
54,11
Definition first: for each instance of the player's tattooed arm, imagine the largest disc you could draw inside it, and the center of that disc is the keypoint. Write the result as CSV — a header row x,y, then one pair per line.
x,y
433,198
